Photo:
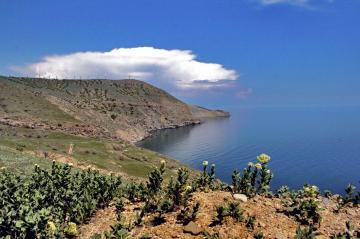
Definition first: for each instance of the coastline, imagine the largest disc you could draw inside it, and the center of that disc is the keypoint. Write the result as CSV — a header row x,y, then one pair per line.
x,y
150,133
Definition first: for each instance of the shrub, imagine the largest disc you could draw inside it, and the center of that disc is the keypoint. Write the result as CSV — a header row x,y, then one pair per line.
x,y
165,206
255,179
221,213
229,210
206,179
71,230
283,191
119,208
155,179
136,192
118,231
188,214
350,233
306,233
305,206
327,194
259,235
179,191
351,195
39,206
235,212
250,222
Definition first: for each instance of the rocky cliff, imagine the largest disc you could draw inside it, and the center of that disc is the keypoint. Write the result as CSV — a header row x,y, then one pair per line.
x,y
124,109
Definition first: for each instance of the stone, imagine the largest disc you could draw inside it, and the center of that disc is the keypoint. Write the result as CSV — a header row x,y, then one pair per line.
x,y
326,201
261,224
240,197
193,229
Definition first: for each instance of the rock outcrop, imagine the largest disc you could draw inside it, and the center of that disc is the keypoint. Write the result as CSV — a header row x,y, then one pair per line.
x,y
124,109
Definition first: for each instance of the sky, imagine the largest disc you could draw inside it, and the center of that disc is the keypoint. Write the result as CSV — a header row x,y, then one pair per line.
x,y
214,53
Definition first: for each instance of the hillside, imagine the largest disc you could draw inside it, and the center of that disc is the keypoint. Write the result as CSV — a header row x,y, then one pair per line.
x,y
69,141
40,119
118,109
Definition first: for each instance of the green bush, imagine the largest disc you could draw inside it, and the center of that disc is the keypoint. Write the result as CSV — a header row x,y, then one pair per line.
x,y
304,205
40,205
255,179
350,233
188,214
228,210
155,179
305,233
206,179
179,191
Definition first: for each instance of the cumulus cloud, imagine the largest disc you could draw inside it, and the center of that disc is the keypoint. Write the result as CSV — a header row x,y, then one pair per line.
x,y
178,68
292,2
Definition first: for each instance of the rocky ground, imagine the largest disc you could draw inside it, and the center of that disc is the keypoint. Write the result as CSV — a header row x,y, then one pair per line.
x,y
269,213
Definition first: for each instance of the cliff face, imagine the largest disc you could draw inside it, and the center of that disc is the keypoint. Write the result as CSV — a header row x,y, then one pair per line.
x,y
124,109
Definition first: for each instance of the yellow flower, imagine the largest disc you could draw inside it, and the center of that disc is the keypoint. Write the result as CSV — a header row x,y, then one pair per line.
x,y
312,191
51,228
205,163
263,158
188,188
250,164
71,229
162,162
258,166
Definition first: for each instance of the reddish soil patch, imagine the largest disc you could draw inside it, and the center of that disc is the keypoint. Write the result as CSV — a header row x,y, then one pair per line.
x,y
270,219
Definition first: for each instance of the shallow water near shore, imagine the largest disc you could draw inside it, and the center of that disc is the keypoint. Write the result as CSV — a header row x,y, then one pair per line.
x,y
317,145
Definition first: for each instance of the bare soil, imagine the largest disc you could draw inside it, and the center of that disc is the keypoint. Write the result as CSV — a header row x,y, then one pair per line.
x,y
269,212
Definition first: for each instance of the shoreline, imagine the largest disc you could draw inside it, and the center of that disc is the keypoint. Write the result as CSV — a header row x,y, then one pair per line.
x,y
151,133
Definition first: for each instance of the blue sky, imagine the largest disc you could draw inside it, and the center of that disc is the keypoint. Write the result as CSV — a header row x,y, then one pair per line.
x,y
265,52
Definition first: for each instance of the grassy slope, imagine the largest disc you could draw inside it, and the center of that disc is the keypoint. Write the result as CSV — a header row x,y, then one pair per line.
x,y
26,100
17,146
19,103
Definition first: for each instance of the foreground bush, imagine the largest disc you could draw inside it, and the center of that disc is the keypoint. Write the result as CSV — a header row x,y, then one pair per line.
x,y
255,179
51,203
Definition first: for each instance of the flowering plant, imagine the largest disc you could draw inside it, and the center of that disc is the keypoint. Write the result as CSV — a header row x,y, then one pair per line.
x,y
254,179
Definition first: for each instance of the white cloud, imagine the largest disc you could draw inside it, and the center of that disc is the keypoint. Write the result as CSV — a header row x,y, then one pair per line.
x,y
179,68
291,2
302,3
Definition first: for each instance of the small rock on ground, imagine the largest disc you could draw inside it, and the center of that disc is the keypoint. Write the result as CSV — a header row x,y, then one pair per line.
x,y
192,228
240,197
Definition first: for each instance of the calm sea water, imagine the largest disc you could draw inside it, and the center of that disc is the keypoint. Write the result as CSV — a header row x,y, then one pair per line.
x,y
317,145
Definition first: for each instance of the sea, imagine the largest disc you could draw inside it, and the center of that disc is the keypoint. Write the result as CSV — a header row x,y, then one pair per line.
x,y
314,145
